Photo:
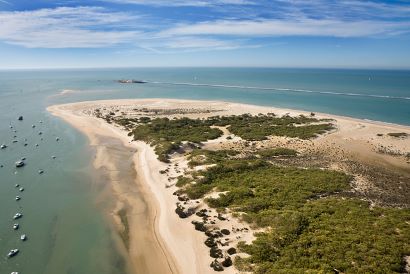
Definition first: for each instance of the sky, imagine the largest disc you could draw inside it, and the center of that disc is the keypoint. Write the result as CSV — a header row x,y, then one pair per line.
x,y
221,33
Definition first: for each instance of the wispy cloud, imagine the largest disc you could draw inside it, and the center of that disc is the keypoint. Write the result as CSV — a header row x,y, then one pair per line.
x,y
183,3
242,26
66,27
302,27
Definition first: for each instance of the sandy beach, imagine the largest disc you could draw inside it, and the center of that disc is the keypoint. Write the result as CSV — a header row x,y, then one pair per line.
x,y
159,241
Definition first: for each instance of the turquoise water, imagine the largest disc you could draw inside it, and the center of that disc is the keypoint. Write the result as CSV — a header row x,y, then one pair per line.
x,y
63,210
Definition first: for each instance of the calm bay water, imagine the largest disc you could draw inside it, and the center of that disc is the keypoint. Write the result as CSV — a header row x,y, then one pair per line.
x,y
63,209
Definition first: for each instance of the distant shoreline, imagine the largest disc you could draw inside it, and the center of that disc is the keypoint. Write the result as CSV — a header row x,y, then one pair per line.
x,y
175,238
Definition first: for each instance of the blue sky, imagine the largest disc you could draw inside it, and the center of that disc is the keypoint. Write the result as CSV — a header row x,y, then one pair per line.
x,y
261,33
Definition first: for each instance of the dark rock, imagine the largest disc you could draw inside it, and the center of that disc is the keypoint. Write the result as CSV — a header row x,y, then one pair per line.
x,y
217,266
231,251
227,262
181,213
202,213
209,234
210,242
200,226
215,252
220,217
183,198
225,231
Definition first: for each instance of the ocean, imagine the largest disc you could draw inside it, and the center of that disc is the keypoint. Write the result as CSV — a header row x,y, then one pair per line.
x,y
65,209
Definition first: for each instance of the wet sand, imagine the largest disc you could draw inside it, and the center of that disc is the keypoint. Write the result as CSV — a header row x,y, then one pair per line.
x,y
136,211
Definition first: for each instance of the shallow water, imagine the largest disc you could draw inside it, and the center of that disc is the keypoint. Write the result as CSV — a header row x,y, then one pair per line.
x,y
64,212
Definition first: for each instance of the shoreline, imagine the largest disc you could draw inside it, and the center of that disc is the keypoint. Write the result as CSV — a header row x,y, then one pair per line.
x,y
157,258
176,239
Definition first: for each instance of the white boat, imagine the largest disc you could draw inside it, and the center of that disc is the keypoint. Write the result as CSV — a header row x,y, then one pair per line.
x,y
17,185
23,237
33,126
12,253
3,146
21,189
14,272
19,164
17,216
18,198
16,226
40,171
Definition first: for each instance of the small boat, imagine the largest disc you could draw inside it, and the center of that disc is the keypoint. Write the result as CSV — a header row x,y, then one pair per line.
x,y
57,139
17,185
23,237
40,133
16,226
21,189
14,272
40,122
18,198
23,158
40,171
20,163
3,146
36,145
17,216
33,126
25,144
15,141
53,157
20,118
13,253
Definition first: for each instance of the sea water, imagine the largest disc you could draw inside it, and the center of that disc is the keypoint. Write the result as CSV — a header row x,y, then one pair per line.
x,y
64,209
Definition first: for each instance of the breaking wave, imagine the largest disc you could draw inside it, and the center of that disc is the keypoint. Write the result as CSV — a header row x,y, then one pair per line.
x,y
281,89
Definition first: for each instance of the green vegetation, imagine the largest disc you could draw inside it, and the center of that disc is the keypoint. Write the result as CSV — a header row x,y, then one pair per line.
x,y
333,235
311,228
259,189
259,127
397,134
274,152
204,157
167,135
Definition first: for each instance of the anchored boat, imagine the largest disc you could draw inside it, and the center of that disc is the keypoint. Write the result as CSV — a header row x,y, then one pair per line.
x,y
20,163
17,216
13,253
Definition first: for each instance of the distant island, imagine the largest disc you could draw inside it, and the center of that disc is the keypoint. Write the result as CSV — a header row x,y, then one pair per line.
x,y
131,81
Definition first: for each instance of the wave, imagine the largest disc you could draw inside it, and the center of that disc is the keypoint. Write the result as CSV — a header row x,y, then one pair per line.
x,y
281,89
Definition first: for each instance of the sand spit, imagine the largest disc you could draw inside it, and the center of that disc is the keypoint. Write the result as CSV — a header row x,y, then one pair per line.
x,y
172,245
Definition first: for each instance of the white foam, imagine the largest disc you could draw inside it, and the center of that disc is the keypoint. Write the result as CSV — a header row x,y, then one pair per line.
x,y
282,89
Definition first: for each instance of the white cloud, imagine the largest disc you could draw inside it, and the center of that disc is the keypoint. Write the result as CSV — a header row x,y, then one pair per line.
x,y
66,27
302,27
182,3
